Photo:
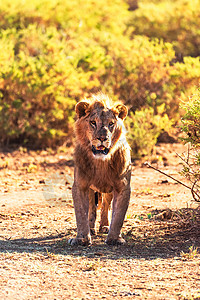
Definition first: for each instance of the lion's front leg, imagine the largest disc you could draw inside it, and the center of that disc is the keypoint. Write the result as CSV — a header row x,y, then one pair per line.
x,y
119,209
104,223
81,206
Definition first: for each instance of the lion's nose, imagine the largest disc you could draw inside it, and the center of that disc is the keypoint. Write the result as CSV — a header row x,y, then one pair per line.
x,y
102,138
102,134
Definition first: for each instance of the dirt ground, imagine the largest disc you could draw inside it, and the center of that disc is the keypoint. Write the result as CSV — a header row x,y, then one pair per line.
x,y
160,260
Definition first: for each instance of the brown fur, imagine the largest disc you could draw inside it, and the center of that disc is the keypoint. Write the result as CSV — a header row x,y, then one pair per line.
x,y
102,164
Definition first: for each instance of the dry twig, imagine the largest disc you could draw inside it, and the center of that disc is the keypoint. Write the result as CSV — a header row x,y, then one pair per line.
x,y
195,194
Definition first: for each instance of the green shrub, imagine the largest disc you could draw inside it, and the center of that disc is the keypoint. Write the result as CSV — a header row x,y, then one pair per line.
x,y
53,53
76,17
173,21
49,60
191,119
144,128
142,73
38,89
191,127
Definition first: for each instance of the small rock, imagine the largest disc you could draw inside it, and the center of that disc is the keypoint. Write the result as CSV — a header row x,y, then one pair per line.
x,y
42,181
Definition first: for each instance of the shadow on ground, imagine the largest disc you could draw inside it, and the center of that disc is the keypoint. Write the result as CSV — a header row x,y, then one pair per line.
x,y
152,239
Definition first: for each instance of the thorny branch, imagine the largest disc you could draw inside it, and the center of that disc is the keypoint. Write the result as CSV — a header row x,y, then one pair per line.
x,y
190,171
195,194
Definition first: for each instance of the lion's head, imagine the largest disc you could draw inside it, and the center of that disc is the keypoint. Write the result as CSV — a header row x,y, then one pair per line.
x,y
99,127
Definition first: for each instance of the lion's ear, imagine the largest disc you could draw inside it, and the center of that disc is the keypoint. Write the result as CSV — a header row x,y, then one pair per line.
x,y
122,111
81,108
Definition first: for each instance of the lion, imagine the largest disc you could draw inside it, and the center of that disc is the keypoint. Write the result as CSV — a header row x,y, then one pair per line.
x,y
102,168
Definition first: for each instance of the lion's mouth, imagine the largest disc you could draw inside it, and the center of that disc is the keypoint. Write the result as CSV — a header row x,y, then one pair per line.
x,y
100,150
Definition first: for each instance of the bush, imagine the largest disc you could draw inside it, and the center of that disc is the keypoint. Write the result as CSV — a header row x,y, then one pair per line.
x,y
176,22
37,89
191,119
144,128
74,17
49,60
142,73
53,53
191,127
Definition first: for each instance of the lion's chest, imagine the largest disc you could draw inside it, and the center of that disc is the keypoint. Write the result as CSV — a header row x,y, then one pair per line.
x,y
102,179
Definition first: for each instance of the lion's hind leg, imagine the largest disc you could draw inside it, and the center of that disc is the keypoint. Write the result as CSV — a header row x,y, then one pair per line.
x,y
104,222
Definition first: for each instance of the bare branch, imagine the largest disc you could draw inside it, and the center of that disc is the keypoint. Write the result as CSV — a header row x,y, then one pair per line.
x,y
194,194
185,162
188,156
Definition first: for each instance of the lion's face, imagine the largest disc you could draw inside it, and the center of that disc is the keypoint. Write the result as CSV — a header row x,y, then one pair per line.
x,y
99,126
102,123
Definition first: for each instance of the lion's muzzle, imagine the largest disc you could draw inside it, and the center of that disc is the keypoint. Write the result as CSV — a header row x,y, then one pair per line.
x,y
100,150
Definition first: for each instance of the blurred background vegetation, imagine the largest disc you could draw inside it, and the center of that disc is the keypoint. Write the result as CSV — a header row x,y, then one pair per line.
x,y
53,53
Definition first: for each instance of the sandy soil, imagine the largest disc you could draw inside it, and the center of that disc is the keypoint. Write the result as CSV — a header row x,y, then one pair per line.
x,y
162,228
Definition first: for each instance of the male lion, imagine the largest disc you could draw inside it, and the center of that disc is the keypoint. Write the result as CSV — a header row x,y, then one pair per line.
x,y
102,165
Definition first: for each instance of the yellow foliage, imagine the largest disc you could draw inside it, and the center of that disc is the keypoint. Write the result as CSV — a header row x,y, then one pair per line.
x,y
53,53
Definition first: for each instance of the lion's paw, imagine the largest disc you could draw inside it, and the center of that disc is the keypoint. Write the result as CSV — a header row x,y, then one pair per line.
x,y
79,241
119,241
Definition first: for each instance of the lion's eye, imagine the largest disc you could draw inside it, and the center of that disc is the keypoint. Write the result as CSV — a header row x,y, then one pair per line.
x,y
93,123
111,124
